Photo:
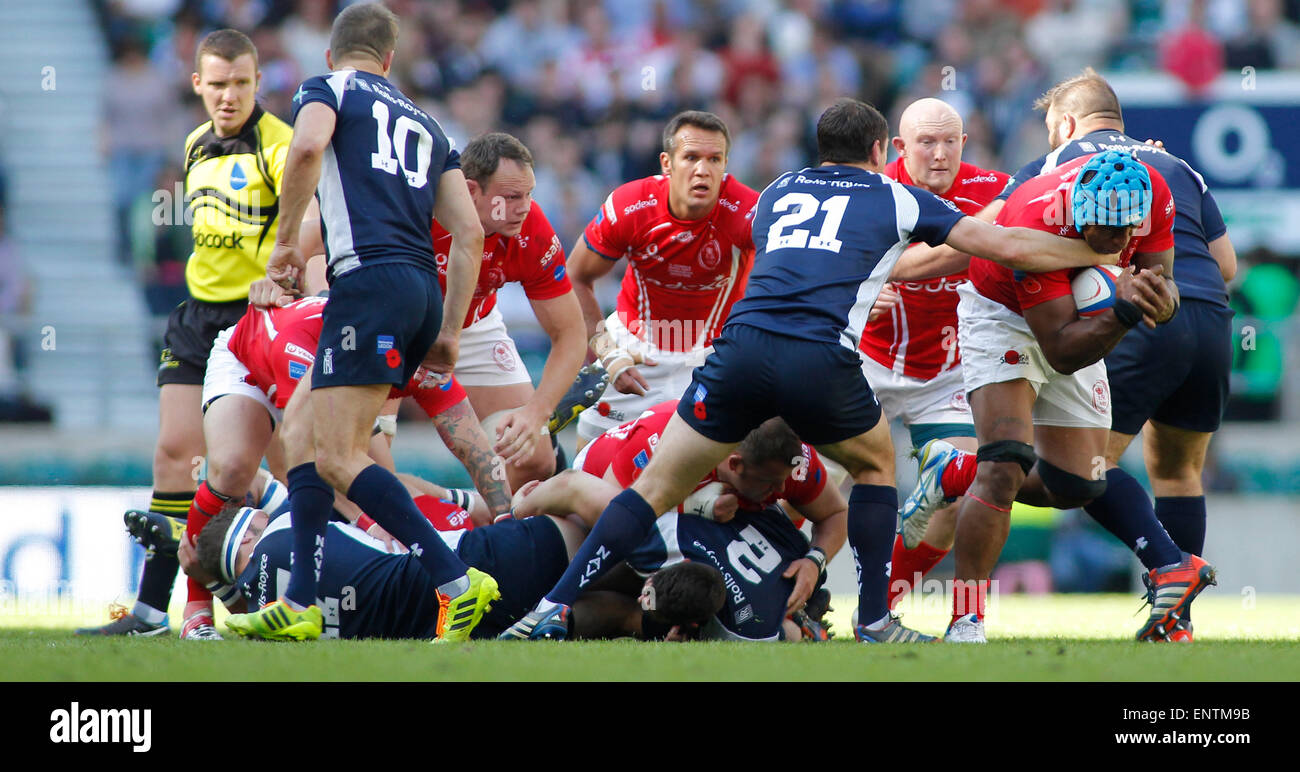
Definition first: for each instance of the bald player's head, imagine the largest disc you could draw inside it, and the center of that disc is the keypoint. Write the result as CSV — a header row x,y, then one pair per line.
x,y
1078,105
929,143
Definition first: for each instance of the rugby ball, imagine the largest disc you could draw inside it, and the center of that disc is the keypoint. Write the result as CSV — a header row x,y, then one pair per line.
x,y
1094,289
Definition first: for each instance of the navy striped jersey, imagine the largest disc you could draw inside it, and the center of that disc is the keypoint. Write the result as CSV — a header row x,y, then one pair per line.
x,y
1197,220
751,551
363,592
379,174
827,239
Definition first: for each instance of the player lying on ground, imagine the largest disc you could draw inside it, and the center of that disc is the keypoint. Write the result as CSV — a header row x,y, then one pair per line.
x,y
770,465
766,563
368,592
1038,389
827,239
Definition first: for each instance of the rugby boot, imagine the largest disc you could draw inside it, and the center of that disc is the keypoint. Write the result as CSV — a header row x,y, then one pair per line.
x,y
457,617
1170,591
927,497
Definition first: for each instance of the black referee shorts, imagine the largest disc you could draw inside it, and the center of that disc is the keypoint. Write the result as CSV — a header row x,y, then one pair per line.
x,y
192,327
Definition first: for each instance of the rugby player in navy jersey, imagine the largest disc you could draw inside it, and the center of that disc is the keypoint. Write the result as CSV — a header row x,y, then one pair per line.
x,y
385,169
368,592
827,238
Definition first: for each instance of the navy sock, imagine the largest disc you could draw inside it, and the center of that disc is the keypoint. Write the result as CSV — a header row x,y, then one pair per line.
x,y
1125,511
382,496
310,502
1184,518
620,530
873,521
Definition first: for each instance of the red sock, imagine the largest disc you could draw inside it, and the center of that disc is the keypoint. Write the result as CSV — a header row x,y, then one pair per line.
x,y
908,566
207,503
968,597
959,475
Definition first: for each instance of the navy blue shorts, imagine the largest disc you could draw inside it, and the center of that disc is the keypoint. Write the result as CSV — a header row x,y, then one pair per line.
x,y
526,557
753,375
1176,374
378,324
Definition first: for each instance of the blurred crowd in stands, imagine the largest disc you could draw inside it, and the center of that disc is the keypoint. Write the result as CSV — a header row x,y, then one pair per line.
x,y
588,85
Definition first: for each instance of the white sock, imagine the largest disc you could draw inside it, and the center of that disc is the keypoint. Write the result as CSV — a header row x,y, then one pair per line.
x,y
149,614
455,588
880,624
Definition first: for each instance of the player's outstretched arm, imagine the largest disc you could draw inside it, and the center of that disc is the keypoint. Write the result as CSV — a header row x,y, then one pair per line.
x,y
454,211
311,136
922,261
1023,249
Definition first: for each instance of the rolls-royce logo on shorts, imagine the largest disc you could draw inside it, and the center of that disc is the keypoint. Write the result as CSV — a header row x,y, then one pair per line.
x,y
503,356
710,255
327,366
1101,397
1012,357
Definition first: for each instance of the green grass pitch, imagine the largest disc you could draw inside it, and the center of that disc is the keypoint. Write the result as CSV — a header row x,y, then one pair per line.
x,y
1060,637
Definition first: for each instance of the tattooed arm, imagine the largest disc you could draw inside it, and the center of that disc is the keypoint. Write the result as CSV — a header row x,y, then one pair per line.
x,y
461,431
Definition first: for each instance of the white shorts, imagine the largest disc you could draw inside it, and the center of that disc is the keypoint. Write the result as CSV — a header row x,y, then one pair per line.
x,y
940,400
997,346
488,356
668,380
226,375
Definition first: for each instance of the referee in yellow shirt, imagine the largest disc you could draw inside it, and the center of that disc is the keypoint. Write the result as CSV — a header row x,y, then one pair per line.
x,y
233,168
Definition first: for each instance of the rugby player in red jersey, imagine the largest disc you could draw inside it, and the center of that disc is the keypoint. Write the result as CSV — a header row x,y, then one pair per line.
x,y
771,465
686,236
1037,386
519,246
913,362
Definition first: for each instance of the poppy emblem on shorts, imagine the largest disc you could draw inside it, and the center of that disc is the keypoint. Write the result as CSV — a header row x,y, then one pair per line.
x,y
1031,285
1012,357
504,358
700,411
393,358
1101,397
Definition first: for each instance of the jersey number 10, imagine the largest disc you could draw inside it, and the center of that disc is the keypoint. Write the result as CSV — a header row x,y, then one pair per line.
x,y
805,207
417,177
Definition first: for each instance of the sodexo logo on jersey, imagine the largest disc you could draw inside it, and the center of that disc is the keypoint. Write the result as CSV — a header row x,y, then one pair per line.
x,y
238,180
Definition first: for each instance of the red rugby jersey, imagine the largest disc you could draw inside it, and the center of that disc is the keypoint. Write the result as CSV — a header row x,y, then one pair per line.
x,y
683,275
1043,203
533,257
918,337
627,449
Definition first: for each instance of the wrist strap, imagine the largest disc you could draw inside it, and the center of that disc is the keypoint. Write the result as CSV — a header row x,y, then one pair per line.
x,y
818,556
1127,313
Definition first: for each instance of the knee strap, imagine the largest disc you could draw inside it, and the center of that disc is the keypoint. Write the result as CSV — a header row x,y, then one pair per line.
x,y
1069,486
1008,450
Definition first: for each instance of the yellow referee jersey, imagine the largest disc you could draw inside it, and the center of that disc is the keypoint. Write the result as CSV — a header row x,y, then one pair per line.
x,y
232,193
